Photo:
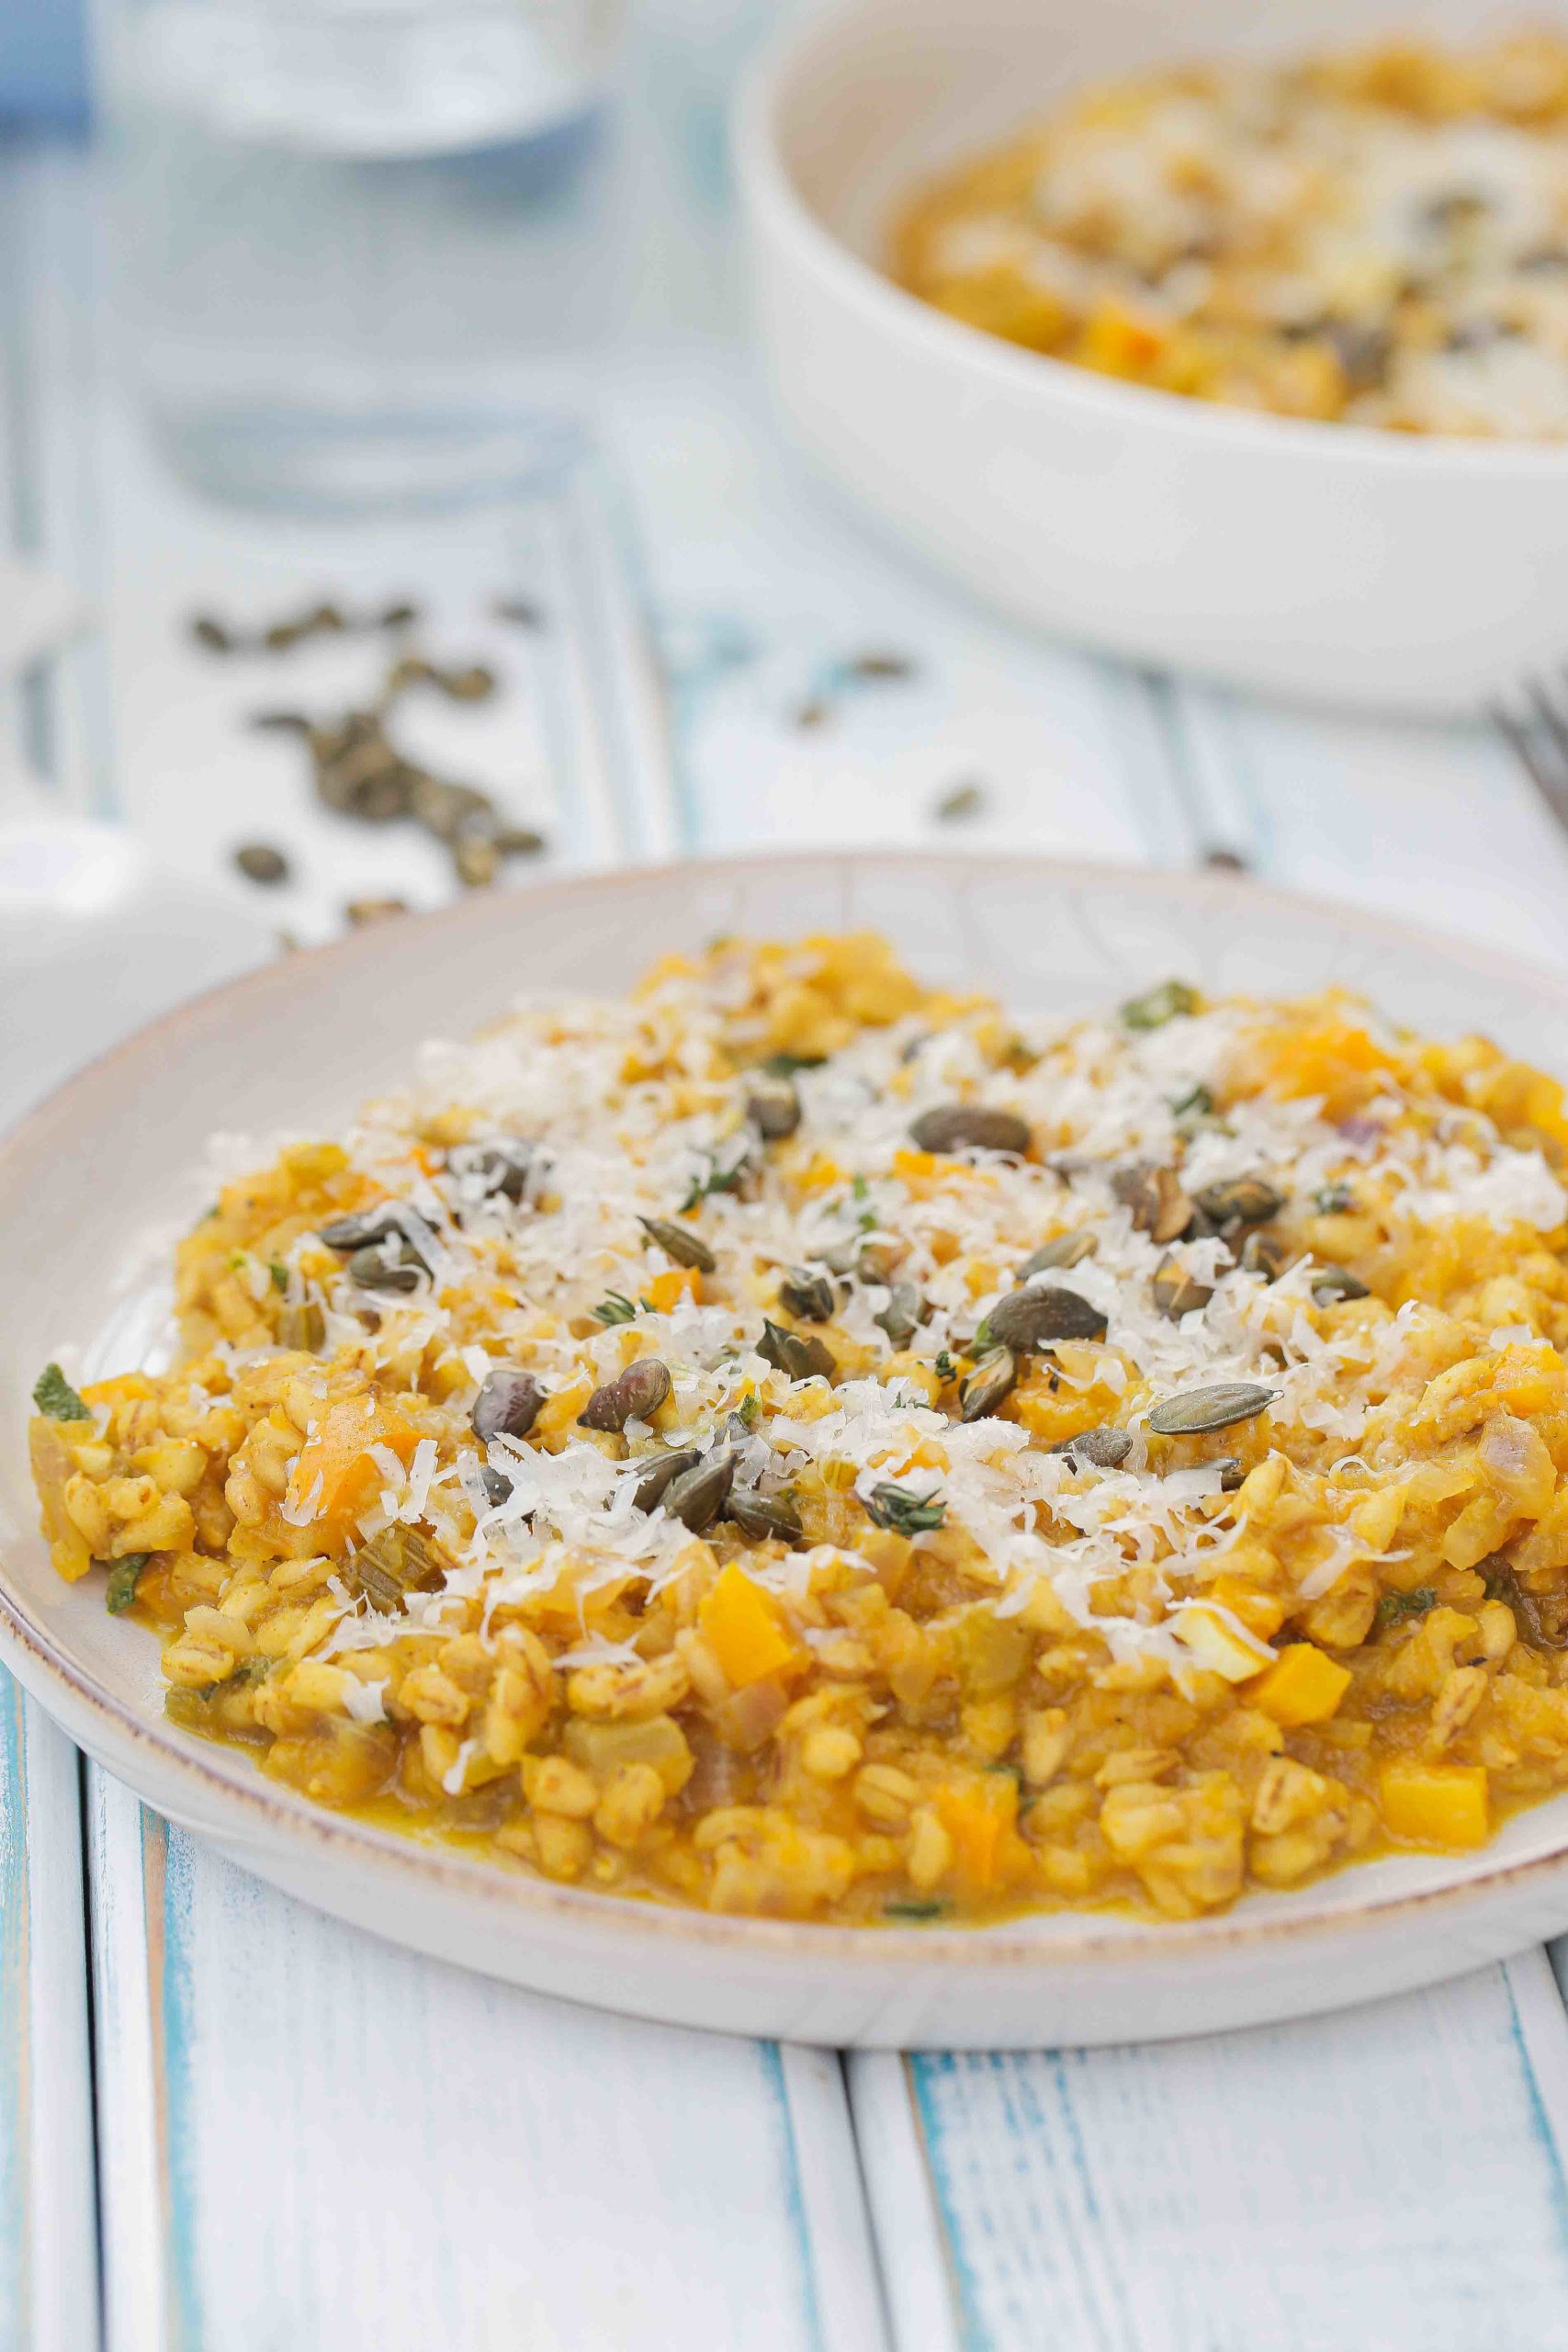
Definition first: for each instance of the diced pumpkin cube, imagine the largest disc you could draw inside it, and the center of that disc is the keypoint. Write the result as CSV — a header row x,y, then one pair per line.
x,y
1303,1686
747,1630
339,1456
1435,1804
1259,1611
676,1282
979,1817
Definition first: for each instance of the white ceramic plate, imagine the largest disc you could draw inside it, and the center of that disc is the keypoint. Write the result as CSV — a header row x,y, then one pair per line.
x,y
94,1186
1306,558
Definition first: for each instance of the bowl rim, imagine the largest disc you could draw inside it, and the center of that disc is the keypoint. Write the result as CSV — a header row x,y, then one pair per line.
x,y
775,207
224,1791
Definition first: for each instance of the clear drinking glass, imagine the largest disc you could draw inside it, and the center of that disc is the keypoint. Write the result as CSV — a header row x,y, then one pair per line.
x,y
350,237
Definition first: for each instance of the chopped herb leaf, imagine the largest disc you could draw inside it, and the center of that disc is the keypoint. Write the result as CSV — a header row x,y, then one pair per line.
x,y
615,1309
908,1909
279,1273
902,1512
982,1340
1197,1102
945,1368
785,1065
1170,1000
861,1189
53,1395
717,1180
1394,1606
748,1412
121,1590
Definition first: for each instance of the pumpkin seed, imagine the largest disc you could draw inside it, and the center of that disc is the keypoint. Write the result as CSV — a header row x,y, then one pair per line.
x,y
1067,1249
303,1326
1334,1200
795,1354
1169,1001
393,1564
212,635
639,1392
697,1495
1262,1255
1202,1409
877,1261
1030,1319
1247,1200
677,1241
507,1405
660,1474
402,614
807,1296
773,1107
1155,1201
476,859
1331,1284
969,1126
763,1517
497,1485
1232,1470
959,802
880,665
901,1512
1103,1449
358,1230
373,1270
260,862
982,1392
903,1314
1176,1293
519,841
501,1167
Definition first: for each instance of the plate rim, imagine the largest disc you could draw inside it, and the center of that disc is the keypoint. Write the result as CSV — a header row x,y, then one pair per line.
x,y
223,1779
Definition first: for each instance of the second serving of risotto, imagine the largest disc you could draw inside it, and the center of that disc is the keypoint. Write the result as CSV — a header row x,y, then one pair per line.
x,y
1378,236
800,1443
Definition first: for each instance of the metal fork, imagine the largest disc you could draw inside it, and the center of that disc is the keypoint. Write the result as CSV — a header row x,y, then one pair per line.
x,y
1539,739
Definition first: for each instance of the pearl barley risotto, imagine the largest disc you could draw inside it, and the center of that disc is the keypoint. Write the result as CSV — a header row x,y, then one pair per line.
x,y
1379,235
800,1443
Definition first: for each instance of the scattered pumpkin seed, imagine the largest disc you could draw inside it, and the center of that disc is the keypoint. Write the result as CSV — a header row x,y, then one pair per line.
x,y
1176,1292
901,1512
903,1314
507,1405
1263,1253
476,860
660,1474
359,1229
393,1564
698,1495
1241,1200
1103,1449
910,1908
785,1065
1225,861
503,1168
519,840
969,1126
958,803
1155,1200
55,1397
1030,1319
763,1517
677,1241
983,1390
806,1295
796,1354
373,1270
496,1483
1331,1284
638,1393
773,1107
360,911
1067,1249
1197,1411
1334,1200
212,635
1170,1002
123,1578
260,862
879,665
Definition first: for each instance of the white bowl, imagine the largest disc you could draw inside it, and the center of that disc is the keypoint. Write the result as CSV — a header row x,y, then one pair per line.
x,y
93,1185
1320,560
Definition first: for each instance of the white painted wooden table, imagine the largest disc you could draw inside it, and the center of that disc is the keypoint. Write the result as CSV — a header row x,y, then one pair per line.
x,y
229,2125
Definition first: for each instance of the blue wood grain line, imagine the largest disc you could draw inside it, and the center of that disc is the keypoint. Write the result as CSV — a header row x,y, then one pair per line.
x,y
16,2232
166,1889
789,2166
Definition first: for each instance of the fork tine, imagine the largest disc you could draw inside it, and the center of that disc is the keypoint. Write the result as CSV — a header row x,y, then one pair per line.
x,y
1553,789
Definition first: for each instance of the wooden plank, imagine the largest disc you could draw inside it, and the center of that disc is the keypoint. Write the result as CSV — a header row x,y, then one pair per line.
x,y
311,2137
48,2216
1365,2179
